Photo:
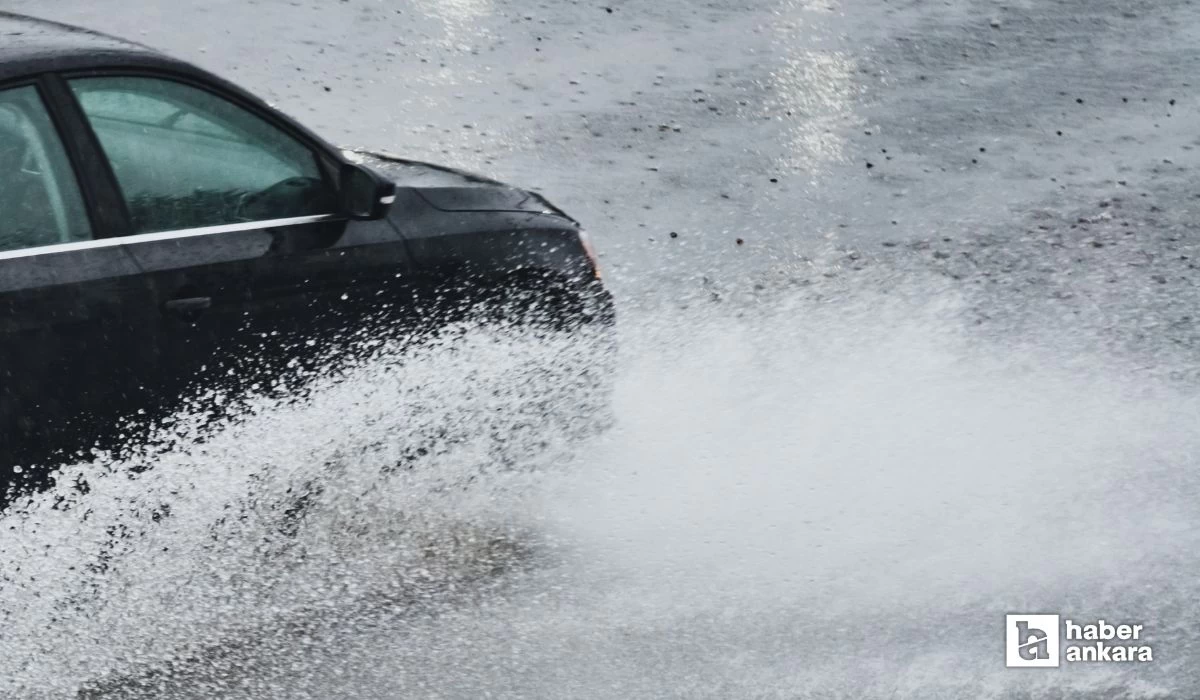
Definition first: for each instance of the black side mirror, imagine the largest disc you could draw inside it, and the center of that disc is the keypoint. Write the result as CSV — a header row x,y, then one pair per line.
x,y
364,194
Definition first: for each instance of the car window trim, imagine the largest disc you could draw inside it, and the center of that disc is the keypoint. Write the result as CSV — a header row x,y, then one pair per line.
x,y
115,241
107,211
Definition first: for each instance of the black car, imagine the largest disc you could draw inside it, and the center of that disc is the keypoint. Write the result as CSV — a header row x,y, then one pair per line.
x,y
156,221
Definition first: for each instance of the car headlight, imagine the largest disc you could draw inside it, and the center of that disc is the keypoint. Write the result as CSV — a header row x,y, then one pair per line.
x,y
586,241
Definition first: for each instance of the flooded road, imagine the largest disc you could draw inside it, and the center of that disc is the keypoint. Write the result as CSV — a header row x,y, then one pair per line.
x,y
907,296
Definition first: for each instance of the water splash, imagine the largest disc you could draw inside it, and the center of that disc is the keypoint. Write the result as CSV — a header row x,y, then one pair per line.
x,y
833,491
376,484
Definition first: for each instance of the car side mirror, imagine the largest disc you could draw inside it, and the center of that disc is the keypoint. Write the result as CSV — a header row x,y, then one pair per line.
x,y
365,195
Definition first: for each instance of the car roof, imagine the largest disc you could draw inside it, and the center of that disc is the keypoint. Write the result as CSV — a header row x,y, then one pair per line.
x,y
30,45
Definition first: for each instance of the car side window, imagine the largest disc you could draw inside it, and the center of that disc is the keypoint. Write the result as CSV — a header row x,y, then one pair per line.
x,y
40,203
187,158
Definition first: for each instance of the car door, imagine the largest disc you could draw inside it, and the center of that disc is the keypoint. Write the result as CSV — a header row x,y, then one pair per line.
x,y
75,345
235,220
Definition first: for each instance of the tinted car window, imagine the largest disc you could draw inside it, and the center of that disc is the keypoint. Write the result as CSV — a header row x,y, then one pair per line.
x,y
39,196
186,158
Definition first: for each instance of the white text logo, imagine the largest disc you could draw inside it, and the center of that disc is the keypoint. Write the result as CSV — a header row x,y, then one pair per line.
x,y
1035,641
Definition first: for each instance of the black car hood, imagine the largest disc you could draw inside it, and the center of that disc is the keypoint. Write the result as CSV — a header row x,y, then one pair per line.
x,y
450,189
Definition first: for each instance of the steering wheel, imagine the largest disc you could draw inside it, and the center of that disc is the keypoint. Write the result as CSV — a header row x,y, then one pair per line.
x,y
284,198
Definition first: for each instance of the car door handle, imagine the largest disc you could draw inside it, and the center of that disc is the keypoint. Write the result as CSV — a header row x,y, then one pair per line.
x,y
188,305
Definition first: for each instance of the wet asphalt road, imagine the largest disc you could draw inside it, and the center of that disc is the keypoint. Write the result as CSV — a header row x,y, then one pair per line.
x,y
925,134
1036,157
788,124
